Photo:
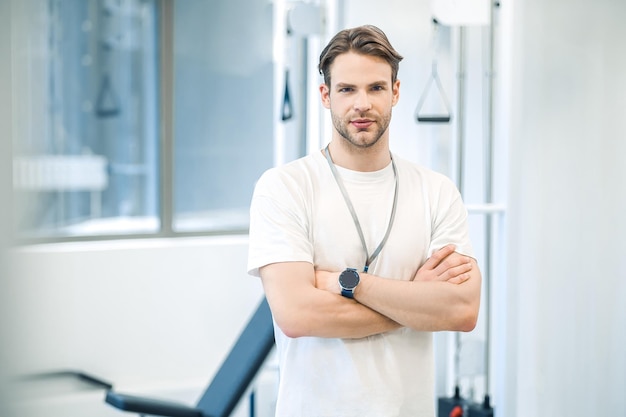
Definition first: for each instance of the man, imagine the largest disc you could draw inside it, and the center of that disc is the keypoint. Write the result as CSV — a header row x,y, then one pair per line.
x,y
356,251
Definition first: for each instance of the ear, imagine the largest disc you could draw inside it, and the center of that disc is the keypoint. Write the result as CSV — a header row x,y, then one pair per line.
x,y
395,90
325,95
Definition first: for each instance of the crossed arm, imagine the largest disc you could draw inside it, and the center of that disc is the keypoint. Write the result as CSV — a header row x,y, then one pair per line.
x,y
444,294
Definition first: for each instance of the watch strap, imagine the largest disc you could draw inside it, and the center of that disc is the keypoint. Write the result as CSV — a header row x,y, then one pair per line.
x,y
347,293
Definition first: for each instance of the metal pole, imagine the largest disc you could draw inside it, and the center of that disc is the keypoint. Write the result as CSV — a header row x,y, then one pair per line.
x,y
489,156
167,183
460,131
460,125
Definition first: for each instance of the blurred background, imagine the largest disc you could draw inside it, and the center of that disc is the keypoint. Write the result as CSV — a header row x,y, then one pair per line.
x,y
132,133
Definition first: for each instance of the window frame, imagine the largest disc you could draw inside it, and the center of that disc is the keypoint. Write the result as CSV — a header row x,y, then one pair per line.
x,y
165,146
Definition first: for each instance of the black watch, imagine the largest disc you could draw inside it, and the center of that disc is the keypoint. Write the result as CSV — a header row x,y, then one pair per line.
x,y
348,280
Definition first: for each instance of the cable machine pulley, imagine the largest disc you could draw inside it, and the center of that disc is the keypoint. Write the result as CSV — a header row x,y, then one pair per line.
x,y
422,116
444,117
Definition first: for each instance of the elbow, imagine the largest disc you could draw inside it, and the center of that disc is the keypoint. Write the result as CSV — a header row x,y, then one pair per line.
x,y
292,328
468,308
295,320
467,322
467,318
289,320
292,332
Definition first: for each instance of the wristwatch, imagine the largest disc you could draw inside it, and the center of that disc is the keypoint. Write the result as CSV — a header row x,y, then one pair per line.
x,y
348,280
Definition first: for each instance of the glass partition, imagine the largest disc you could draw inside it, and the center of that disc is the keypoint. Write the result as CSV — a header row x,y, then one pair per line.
x,y
86,117
224,117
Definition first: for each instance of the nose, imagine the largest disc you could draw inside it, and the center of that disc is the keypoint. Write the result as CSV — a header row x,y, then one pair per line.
x,y
362,102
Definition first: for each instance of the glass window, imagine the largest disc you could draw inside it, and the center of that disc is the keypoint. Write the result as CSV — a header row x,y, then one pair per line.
x,y
147,117
86,125
224,117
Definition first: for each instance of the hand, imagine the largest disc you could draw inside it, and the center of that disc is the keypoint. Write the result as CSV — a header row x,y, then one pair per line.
x,y
328,281
445,265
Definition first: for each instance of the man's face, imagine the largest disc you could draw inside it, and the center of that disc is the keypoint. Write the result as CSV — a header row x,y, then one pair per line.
x,y
360,98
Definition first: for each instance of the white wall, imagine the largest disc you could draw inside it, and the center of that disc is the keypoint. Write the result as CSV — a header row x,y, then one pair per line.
x,y
566,333
153,317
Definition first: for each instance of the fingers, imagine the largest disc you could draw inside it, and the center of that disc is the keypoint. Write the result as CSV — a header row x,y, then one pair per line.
x,y
454,264
445,265
457,274
460,279
439,256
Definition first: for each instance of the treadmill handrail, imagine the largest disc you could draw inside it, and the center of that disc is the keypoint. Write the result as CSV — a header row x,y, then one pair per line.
x,y
229,384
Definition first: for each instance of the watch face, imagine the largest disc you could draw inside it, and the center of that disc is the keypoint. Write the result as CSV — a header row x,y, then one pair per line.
x,y
349,278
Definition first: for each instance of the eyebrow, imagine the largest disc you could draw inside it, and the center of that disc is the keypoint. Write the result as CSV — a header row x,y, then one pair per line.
x,y
344,85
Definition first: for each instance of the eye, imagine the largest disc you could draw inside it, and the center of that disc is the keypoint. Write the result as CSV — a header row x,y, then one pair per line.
x,y
378,88
345,90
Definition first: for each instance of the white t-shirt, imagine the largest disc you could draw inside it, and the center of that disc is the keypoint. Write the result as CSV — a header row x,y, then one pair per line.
x,y
299,214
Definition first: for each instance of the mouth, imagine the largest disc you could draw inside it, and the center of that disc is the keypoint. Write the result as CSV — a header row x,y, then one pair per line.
x,y
362,123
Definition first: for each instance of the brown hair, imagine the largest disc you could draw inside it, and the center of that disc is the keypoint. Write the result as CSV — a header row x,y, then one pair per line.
x,y
366,40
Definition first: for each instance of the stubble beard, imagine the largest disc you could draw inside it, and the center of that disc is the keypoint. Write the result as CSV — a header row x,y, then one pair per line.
x,y
342,127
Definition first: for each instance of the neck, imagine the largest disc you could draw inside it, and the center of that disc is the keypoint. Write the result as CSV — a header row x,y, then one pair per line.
x,y
369,159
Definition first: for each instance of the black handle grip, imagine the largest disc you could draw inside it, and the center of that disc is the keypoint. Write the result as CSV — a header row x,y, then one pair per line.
x,y
150,406
433,119
287,108
91,380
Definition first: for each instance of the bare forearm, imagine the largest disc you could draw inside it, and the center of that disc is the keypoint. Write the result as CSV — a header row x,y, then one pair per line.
x,y
444,294
425,306
300,309
337,316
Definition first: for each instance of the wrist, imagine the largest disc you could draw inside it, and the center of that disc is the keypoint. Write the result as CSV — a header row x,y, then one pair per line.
x,y
362,287
348,281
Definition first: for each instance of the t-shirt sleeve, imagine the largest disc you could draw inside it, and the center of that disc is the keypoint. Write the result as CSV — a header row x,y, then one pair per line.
x,y
450,223
279,229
